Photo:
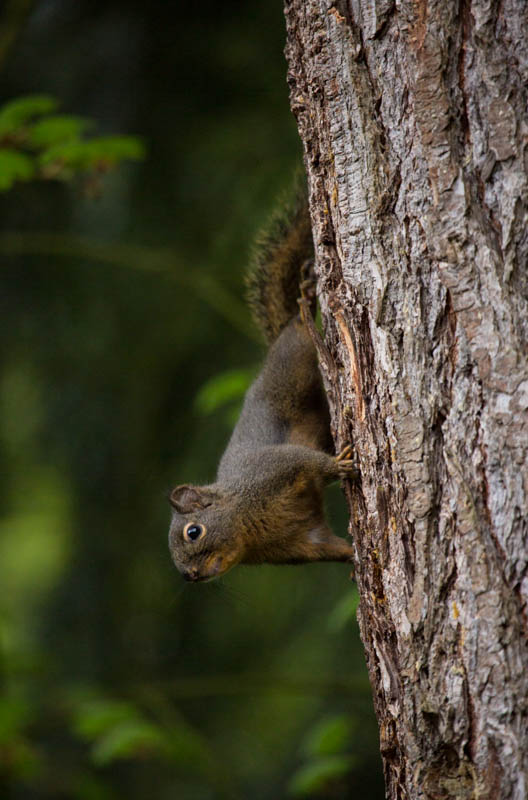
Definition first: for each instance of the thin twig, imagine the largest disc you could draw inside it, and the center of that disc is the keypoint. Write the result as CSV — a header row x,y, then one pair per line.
x,y
162,260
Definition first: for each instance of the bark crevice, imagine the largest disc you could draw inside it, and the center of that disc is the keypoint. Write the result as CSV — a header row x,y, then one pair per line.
x,y
411,116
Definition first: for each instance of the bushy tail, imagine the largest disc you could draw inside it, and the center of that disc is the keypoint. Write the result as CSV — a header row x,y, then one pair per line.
x,y
274,275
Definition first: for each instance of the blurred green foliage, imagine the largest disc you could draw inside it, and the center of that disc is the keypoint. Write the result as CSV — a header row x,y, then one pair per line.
x,y
126,349
37,143
327,758
225,390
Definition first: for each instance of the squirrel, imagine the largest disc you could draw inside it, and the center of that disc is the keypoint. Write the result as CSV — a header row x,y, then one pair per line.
x,y
266,504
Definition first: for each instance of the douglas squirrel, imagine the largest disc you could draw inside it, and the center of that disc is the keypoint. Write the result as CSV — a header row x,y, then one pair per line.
x,y
266,505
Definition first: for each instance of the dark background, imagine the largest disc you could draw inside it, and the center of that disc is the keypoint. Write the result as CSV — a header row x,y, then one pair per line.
x,y
119,680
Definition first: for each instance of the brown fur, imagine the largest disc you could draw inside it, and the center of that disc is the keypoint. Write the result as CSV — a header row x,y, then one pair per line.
x,y
266,504
279,254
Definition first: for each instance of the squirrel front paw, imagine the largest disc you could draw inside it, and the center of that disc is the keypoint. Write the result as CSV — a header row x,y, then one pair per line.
x,y
347,467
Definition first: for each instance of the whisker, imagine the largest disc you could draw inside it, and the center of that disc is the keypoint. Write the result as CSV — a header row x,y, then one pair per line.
x,y
235,595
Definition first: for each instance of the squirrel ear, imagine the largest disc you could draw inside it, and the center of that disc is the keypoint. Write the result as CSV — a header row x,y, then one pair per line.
x,y
189,498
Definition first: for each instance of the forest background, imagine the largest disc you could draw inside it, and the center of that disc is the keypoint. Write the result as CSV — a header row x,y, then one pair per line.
x,y
125,348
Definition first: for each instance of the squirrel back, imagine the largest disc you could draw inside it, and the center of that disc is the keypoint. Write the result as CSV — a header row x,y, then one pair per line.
x,y
275,270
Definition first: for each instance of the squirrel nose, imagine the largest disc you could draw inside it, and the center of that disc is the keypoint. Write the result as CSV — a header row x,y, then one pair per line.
x,y
191,574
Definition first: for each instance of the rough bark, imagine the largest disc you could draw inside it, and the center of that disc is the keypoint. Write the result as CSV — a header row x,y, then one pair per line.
x,y
413,120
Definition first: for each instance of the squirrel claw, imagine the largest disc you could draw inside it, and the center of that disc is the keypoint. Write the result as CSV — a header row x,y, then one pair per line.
x,y
345,465
348,469
307,286
344,454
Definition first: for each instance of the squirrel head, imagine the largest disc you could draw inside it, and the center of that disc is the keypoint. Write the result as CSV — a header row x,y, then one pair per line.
x,y
202,537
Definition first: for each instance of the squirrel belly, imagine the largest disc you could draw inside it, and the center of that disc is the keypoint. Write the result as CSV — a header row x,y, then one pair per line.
x,y
266,505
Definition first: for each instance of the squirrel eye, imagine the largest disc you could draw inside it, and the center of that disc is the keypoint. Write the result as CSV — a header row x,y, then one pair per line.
x,y
192,532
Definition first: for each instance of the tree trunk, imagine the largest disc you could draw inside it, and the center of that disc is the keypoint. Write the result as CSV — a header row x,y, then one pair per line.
x,y
413,120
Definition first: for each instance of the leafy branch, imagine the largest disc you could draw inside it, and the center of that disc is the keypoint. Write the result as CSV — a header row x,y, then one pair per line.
x,y
38,143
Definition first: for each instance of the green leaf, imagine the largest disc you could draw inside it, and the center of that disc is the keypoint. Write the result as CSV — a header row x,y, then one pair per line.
x,y
117,729
329,736
17,112
227,387
14,166
314,777
117,148
96,717
72,154
130,739
344,612
57,130
88,154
